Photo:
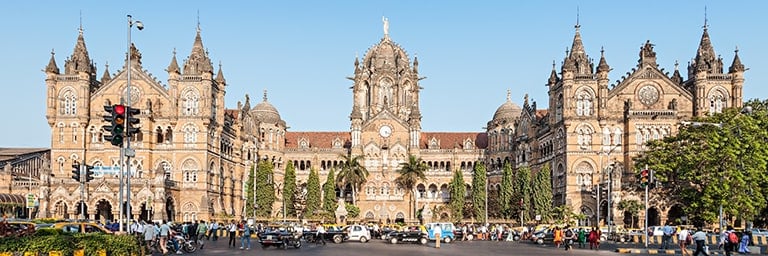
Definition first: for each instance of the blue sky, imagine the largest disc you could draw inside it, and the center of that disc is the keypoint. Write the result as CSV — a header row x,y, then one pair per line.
x,y
301,51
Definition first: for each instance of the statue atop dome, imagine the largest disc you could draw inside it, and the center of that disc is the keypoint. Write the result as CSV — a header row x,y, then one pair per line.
x,y
386,26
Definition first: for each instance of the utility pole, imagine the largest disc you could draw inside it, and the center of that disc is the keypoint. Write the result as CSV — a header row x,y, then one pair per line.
x,y
646,213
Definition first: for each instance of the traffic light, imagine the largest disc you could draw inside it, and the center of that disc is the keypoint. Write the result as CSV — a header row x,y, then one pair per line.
x,y
116,118
76,172
651,180
88,173
644,178
132,121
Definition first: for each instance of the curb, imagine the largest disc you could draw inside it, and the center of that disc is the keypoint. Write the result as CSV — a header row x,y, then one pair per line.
x,y
657,251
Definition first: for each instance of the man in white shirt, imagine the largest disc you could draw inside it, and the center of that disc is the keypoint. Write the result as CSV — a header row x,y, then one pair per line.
x,y
437,231
682,240
700,238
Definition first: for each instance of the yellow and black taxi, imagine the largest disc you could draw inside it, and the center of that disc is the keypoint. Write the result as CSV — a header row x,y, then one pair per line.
x,y
80,227
16,228
409,234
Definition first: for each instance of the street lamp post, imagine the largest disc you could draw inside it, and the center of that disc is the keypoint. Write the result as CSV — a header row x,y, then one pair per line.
x,y
607,153
127,150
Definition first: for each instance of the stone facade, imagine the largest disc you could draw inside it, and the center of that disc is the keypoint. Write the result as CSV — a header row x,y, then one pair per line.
x,y
192,153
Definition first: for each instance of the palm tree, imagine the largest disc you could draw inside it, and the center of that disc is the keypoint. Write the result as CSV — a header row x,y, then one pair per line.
x,y
411,172
352,173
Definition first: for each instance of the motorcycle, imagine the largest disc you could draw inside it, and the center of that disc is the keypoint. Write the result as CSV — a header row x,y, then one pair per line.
x,y
186,245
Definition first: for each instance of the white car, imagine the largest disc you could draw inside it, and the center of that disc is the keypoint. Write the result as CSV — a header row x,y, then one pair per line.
x,y
358,233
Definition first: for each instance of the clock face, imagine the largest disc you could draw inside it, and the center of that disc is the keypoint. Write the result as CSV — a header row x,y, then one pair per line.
x,y
385,131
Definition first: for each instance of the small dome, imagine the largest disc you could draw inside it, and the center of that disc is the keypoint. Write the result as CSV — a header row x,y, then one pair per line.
x,y
508,110
265,112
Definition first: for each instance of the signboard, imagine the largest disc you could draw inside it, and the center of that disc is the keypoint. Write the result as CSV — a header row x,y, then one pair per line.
x,y
31,200
109,171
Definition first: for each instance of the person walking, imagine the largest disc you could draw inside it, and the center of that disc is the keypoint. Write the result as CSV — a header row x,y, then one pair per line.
x,y
202,229
232,229
569,236
165,232
558,237
582,237
594,239
245,240
320,234
743,249
729,240
149,235
700,238
437,231
684,239
666,237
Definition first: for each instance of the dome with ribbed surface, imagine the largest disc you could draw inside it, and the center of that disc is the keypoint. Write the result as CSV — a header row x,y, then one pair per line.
x,y
265,112
508,110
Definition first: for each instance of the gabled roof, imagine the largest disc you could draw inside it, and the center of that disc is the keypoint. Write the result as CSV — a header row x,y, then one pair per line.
x,y
450,140
316,139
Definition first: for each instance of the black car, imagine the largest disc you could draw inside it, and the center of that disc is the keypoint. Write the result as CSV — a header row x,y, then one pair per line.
x,y
279,238
410,235
331,235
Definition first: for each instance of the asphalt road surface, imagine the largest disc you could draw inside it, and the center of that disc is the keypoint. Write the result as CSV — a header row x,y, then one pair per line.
x,y
379,247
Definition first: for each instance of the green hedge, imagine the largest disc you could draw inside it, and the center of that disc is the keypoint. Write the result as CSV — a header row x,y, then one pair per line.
x,y
46,240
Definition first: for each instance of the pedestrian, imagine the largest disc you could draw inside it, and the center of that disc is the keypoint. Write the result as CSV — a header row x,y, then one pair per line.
x,y
729,240
232,229
558,237
437,231
582,237
465,235
666,237
743,249
165,232
594,238
149,234
320,234
569,236
683,239
245,240
202,229
700,238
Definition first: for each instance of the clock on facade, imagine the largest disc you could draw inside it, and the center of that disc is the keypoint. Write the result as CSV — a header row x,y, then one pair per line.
x,y
385,131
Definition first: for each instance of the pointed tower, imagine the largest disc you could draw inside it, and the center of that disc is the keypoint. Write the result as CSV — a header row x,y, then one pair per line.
x,y
174,76
712,90
602,82
736,71
197,83
578,82
105,78
198,62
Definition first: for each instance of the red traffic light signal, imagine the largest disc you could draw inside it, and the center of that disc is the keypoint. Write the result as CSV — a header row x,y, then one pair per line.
x,y
644,177
117,127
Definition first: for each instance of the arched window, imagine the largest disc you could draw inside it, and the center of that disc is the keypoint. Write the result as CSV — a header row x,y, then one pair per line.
x,y
716,102
583,103
190,133
189,168
159,135
606,136
617,136
68,103
584,138
94,134
168,135
559,108
191,103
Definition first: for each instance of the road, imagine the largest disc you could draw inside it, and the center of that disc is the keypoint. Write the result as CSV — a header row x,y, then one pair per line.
x,y
378,247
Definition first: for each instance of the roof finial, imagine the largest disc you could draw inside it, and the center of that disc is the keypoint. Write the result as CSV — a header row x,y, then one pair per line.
x,y
81,23
219,64
198,21
577,18
54,53
676,65
705,18
737,49
553,64
386,26
174,52
602,51
265,95
509,95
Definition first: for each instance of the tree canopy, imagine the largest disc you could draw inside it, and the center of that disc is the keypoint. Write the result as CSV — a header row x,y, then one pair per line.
x,y
479,186
411,172
289,189
458,196
507,191
352,173
313,193
541,194
713,161
265,189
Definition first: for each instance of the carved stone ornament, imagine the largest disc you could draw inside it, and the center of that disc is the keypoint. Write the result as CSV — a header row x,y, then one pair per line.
x,y
135,94
648,94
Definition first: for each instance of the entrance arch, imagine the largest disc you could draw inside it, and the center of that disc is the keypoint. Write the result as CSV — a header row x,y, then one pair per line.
x,y
60,210
104,210
675,215
170,209
653,217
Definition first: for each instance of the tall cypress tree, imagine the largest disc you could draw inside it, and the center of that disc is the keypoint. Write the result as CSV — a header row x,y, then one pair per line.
x,y
289,187
542,193
249,196
458,196
506,193
329,193
523,189
313,193
265,189
479,180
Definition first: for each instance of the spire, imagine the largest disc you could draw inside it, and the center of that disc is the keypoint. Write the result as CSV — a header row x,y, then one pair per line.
x,y
357,61
603,65
736,66
220,76
676,77
79,61
577,59
247,106
416,63
174,66
553,75
52,67
105,78
705,54
198,61
265,95
509,95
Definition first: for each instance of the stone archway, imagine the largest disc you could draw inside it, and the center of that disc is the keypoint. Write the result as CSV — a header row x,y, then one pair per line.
x,y
103,211
61,210
654,218
630,221
170,209
675,215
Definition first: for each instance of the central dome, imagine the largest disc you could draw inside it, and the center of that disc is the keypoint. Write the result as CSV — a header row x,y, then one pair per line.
x,y
509,110
265,112
386,54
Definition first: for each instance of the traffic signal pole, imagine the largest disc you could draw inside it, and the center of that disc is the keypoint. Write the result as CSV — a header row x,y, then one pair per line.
x,y
646,213
82,190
